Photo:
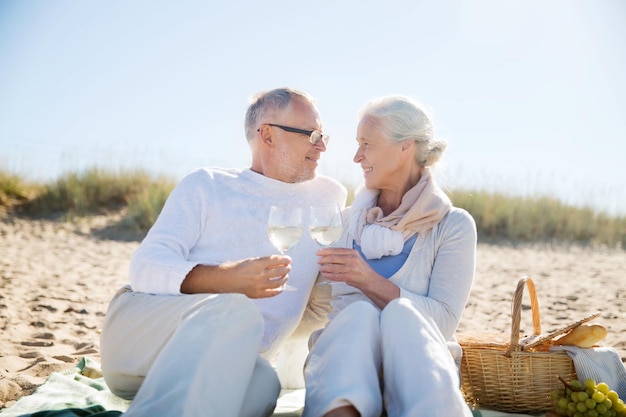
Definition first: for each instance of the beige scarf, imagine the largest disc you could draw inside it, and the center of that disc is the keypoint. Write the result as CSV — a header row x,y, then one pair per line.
x,y
421,208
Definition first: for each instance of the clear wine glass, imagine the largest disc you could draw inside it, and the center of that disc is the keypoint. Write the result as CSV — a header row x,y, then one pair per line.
x,y
284,227
325,225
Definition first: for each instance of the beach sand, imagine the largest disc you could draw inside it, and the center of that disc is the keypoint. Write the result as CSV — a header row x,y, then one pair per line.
x,y
56,279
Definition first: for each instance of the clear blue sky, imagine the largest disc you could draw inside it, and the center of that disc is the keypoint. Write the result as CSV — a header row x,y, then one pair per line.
x,y
530,94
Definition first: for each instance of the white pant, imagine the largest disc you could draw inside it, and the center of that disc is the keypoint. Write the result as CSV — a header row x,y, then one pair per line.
x,y
187,355
397,351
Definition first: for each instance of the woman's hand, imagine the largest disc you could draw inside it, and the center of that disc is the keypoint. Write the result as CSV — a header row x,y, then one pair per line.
x,y
347,265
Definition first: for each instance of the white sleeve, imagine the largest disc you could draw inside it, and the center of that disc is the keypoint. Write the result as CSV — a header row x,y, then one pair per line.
x,y
452,273
160,264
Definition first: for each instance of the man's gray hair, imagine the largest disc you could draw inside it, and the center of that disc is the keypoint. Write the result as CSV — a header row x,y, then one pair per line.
x,y
266,103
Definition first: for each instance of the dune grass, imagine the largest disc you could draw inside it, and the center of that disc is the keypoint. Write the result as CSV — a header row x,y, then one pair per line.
x,y
539,219
94,191
13,189
498,216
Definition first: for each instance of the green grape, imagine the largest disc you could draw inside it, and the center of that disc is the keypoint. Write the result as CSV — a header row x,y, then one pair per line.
x,y
563,403
590,383
588,399
598,397
590,403
612,395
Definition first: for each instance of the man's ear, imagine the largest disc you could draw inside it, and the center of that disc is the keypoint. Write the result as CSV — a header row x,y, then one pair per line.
x,y
266,134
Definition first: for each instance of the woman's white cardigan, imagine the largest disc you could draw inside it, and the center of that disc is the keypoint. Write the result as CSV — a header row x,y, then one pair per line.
x,y
437,275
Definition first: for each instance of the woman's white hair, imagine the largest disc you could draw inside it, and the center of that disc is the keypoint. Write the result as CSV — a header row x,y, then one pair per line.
x,y
403,118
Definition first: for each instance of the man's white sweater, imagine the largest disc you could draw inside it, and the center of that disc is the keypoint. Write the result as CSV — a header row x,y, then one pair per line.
x,y
218,215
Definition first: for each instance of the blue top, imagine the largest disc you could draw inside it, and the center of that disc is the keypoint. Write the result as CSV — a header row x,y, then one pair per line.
x,y
389,265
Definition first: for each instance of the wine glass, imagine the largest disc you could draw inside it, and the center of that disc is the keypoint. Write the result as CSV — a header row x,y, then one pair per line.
x,y
325,225
284,227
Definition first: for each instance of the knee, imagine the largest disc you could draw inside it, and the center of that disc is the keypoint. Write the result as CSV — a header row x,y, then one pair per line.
x,y
397,308
228,306
401,316
360,312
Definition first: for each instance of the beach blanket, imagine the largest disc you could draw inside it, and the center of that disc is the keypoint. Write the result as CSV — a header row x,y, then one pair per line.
x,y
81,387
82,392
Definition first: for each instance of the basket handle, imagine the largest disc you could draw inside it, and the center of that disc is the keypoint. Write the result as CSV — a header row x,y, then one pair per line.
x,y
516,312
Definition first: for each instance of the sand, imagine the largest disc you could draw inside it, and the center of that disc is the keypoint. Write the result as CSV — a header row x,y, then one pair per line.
x,y
56,278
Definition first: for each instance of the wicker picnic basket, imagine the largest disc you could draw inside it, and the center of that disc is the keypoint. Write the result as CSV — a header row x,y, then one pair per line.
x,y
515,375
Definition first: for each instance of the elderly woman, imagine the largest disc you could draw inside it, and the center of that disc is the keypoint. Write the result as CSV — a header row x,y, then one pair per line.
x,y
400,280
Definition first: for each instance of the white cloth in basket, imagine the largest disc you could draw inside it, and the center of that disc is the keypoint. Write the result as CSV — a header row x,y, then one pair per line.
x,y
603,364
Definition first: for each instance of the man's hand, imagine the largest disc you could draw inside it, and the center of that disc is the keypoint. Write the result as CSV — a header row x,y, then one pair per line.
x,y
260,277
255,277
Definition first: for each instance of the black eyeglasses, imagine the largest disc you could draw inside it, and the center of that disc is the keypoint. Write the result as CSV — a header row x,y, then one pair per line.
x,y
315,136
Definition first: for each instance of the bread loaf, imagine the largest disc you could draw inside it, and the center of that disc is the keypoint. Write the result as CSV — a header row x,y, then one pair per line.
x,y
585,336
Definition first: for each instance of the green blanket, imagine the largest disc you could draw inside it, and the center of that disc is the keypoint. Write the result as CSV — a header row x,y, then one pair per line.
x,y
94,411
82,392
81,387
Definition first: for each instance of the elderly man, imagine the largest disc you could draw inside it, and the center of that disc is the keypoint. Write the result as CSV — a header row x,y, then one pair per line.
x,y
205,312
